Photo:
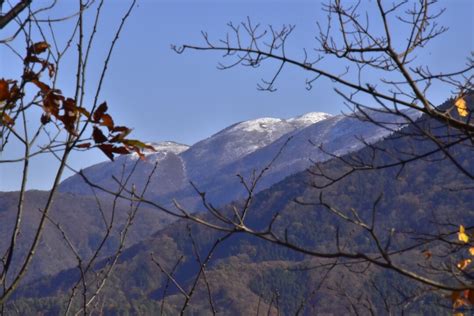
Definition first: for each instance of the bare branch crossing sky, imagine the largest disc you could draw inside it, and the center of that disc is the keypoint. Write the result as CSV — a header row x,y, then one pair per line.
x,y
184,98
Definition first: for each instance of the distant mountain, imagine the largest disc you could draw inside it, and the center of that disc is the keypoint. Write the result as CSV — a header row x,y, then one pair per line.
x,y
169,176
81,217
245,268
212,164
238,149
300,149
207,156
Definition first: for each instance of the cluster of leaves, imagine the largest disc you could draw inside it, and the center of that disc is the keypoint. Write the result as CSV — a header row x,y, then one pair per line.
x,y
64,111
115,141
9,94
461,299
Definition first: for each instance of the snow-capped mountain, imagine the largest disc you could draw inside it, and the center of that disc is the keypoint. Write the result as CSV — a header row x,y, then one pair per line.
x,y
337,135
241,139
238,149
165,155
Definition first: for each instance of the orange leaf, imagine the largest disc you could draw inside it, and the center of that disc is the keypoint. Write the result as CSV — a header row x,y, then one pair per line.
x,y
455,296
84,112
43,86
464,263
107,121
471,251
7,120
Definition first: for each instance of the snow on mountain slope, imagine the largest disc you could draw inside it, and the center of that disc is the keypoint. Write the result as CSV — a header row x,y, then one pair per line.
x,y
239,149
239,140
178,164
308,119
169,168
160,151
338,135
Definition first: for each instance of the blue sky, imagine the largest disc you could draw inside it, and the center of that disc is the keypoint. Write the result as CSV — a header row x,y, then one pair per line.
x,y
184,98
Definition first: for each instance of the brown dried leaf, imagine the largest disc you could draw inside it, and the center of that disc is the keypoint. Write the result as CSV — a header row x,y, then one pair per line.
x,y
38,48
107,121
99,112
98,136
4,91
7,120
84,145
107,149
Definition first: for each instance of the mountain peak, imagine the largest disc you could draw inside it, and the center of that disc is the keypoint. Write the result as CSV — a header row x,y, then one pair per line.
x,y
256,125
308,118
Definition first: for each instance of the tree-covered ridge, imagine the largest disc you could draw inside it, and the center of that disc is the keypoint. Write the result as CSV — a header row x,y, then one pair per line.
x,y
418,199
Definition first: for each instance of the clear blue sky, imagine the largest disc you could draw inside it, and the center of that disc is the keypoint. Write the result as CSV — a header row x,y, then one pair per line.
x,y
184,98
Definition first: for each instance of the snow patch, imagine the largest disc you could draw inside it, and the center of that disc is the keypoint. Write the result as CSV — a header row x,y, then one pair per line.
x,y
162,149
257,125
308,119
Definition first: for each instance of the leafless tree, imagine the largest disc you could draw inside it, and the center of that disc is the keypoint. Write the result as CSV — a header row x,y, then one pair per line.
x,y
403,82
438,261
35,115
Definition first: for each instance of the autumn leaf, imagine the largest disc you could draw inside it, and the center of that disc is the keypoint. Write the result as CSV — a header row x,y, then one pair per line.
x,y
108,121
38,48
83,145
120,129
45,118
107,149
98,136
7,120
70,114
471,251
462,236
84,112
99,112
4,92
464,263
455,295
43,86
138,144
461,106
121,150
123,132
